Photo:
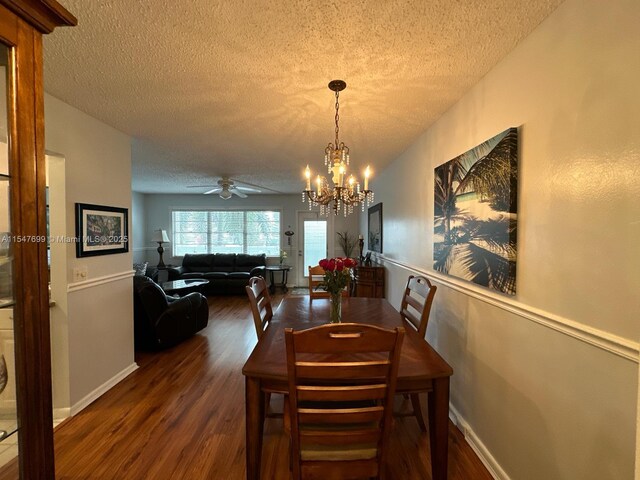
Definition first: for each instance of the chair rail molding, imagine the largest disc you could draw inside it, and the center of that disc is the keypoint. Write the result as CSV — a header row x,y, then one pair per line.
x,y
94,282
620,346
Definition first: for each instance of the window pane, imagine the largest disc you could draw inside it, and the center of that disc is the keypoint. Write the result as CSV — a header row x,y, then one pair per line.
x,y
222,231
263,232
315,242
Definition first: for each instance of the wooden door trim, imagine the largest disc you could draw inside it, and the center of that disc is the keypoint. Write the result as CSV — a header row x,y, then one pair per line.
x,y
44,15
20,28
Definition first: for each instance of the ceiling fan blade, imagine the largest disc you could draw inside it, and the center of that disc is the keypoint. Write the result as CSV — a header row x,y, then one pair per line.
x,y
238,193
249,189
215,190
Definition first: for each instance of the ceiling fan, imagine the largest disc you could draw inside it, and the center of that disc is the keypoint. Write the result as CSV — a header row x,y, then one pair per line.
x,y
226,188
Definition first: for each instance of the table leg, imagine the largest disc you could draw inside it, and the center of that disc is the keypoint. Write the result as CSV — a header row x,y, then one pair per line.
x,y
254,404
272,285
439,427
285,275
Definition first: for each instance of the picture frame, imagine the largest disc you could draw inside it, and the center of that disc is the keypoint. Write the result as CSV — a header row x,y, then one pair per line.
x,y
101,230
476,214
375,228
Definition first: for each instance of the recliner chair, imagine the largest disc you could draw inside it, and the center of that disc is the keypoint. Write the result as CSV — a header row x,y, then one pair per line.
x,y
161,321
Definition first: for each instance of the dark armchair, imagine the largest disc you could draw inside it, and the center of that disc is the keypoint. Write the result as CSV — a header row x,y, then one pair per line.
x,y
161,321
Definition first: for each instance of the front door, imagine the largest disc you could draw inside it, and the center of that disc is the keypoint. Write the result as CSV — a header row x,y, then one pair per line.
x,y
313,243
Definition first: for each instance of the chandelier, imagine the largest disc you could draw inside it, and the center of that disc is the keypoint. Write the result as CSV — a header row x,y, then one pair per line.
x,y
343,191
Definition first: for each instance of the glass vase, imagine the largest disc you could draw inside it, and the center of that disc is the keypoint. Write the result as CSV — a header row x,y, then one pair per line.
x,y
335,312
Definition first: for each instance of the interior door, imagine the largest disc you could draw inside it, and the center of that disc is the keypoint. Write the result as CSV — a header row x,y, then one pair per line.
x,y
313,243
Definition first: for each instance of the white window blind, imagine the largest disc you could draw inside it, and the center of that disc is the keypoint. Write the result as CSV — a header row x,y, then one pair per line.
x,y
226,231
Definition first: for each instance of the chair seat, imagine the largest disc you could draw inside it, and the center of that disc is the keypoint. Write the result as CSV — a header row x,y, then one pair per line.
x,y
338,452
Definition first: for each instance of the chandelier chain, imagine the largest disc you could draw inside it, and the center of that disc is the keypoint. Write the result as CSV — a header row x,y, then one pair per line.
x,y
337,116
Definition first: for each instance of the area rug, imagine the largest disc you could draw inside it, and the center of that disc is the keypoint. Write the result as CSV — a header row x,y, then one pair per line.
x,y
298,291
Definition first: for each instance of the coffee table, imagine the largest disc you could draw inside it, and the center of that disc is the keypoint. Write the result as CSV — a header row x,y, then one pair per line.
x,y
183,287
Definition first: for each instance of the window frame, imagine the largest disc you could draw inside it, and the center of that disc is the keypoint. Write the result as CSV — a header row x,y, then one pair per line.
x,y
210,249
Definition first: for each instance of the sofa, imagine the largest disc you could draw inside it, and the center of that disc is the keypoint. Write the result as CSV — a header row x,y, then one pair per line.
x,y
161,321
226,272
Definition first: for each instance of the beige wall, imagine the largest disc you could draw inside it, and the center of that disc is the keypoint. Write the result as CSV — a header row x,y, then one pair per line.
x,y
139,228
546,383
99,310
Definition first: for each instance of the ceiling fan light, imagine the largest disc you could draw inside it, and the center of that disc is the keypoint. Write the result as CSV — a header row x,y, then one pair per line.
x,y
225,194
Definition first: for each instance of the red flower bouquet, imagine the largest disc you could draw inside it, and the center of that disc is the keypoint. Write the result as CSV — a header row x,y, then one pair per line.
x,y
337,272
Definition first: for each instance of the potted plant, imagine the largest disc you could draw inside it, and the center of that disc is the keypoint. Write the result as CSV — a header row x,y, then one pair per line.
x,y
347,243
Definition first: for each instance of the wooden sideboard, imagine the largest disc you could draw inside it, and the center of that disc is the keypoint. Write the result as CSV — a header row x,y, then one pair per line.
x,y
369,281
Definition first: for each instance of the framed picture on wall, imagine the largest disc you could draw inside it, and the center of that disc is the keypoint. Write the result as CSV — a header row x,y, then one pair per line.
x,y
101,230
375,228
476,214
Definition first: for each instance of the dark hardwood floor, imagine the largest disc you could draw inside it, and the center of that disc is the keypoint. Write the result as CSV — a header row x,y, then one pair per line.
x,y
181,416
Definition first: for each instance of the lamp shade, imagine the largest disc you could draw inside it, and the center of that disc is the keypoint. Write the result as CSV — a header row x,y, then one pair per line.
x,y
160,236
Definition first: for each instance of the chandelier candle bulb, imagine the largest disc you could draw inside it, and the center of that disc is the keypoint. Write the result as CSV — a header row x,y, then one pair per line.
x,y
307,173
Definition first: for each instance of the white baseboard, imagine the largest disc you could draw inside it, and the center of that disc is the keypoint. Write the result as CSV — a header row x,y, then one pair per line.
x,y
60,414
496,471
98,392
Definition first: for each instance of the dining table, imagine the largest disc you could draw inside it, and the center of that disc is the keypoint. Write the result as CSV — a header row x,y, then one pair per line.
x,y
421,369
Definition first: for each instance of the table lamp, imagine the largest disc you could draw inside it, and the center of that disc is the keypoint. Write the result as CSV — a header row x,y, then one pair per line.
x,y
161,237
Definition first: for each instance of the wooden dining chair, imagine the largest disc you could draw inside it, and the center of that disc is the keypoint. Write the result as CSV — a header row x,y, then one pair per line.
x,y
415,309
260,302
316,278
262,312
342,381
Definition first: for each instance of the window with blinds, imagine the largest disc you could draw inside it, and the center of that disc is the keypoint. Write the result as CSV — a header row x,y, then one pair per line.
x,y
226,231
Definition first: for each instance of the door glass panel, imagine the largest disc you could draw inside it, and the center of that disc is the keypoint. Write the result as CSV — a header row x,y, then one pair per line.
x,y
8,416
315,243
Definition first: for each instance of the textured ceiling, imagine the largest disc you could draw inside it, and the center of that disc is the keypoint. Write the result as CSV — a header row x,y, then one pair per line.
x,y
239,88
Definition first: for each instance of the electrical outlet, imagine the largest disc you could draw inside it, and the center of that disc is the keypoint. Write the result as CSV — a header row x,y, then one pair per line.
x,y
80,274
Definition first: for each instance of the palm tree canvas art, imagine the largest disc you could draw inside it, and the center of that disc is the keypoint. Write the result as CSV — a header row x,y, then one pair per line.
x,y
475,214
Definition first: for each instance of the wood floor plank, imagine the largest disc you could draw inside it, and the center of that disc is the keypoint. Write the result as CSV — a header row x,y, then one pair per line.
x,y
181,416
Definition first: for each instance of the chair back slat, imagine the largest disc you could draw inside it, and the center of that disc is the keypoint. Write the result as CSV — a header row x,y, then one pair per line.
x,y
260,303
332,416
342,379
416,302
347,339
324,470
343,370
411,318
339,437
349,393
